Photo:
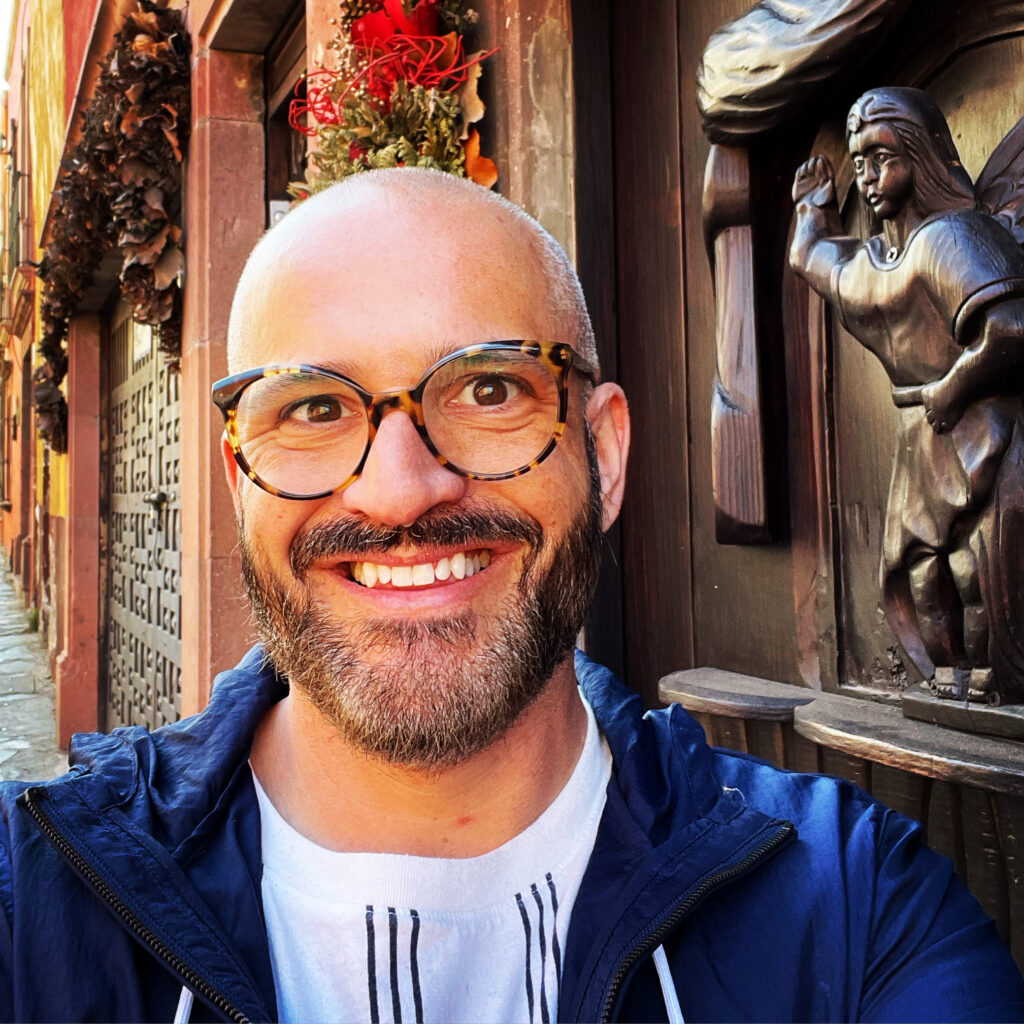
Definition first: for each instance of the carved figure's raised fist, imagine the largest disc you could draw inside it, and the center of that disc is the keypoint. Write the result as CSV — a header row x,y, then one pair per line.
x,y
815,180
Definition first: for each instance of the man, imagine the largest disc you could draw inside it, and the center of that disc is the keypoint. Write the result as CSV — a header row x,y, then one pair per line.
x,y
412,803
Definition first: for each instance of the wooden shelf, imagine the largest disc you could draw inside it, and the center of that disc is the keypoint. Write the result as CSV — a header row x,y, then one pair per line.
x,y
713,691
858,728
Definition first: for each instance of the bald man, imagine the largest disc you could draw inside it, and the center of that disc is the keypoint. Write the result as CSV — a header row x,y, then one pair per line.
x,y
412,801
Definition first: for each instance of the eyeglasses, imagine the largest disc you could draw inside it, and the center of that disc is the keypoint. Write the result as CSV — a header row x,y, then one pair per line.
x,y
490,411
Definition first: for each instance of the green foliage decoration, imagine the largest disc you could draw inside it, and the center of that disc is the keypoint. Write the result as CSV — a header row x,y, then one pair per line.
x,y
418,129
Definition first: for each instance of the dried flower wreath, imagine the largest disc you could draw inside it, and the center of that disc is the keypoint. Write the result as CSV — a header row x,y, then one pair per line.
x,y
404,93
120,186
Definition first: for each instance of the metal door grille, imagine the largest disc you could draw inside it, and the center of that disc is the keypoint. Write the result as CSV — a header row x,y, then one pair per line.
x,y
144,529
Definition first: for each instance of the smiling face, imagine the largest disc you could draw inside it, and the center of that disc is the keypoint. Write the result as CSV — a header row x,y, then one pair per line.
x,y
420,610
885,175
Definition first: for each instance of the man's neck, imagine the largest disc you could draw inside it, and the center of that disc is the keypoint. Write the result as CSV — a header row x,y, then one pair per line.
x,y
343,799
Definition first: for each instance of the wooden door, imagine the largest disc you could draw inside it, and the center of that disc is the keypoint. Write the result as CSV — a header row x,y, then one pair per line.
x,y
143,530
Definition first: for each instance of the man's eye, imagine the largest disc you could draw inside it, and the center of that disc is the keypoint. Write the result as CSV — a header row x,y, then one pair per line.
x,y
858,164
490,390
322,409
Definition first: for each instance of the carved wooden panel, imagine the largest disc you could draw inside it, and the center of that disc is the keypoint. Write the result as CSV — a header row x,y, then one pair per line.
x,y
737,442
143,431
980,92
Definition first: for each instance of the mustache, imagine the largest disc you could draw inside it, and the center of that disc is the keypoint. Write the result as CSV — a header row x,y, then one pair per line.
x,y
357,535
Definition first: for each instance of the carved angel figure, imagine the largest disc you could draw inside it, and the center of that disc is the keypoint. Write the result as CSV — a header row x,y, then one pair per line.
x,y
937,295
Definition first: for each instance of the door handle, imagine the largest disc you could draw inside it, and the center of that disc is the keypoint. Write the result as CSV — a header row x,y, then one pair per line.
x,y
156,500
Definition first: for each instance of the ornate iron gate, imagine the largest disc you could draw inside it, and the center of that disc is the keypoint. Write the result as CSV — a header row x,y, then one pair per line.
x,y
143,430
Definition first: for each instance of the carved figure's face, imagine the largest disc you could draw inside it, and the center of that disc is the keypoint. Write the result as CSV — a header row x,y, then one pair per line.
x,y
885,175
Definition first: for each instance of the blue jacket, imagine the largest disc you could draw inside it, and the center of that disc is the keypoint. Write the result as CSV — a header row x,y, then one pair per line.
x,y
776,896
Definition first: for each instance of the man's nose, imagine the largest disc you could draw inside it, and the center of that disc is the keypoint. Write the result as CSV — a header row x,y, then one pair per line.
x,y
401,479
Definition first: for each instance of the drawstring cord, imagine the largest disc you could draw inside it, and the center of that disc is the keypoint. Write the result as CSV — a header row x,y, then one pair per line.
x,y
668,993
184,1010
668,988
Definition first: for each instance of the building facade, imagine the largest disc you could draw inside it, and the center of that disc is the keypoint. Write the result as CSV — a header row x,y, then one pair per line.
x,y
126,542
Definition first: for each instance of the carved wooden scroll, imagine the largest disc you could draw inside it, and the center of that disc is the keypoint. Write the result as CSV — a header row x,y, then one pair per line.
x,y
737,437
759,73
769,66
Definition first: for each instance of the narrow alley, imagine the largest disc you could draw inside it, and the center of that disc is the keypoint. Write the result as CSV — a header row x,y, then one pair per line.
x,y
28,747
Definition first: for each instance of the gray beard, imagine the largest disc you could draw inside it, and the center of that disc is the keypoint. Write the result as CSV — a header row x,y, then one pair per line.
x,y
436,692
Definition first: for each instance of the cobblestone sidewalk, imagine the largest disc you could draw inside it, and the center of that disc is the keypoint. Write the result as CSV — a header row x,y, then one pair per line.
x,y
28,746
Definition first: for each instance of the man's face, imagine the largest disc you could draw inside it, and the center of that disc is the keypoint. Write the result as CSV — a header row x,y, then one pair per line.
x,y
429,673
885,176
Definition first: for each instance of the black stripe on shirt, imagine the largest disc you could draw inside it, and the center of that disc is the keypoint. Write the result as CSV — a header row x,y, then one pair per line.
x,y
414,966
556,951
543,953
371,966
529,978
396,998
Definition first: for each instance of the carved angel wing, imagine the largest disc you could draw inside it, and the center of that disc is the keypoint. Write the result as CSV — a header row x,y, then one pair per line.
x,y
1000,186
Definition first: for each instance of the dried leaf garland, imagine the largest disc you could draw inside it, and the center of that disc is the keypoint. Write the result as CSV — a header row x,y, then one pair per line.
x,y
120,186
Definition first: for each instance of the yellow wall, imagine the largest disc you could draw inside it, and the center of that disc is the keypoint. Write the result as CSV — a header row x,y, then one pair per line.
x,y
46,69
46,100
58,484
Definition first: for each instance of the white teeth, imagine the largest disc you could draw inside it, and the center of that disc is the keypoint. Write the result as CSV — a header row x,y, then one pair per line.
x,y
460,565
422,575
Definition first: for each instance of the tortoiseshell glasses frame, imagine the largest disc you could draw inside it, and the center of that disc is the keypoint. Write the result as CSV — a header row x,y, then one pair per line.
x,y
558,357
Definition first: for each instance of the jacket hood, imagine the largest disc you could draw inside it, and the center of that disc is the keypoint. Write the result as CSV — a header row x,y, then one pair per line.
x,y
170,780
651,753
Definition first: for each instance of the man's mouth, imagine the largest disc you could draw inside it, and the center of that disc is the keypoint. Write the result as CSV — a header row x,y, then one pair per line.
x,y
422,574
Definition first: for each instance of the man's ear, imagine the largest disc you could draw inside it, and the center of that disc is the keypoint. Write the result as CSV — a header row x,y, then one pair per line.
x,y
231,473
608,414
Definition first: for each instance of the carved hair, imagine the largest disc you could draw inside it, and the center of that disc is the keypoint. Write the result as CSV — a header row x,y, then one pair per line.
x,y
940,181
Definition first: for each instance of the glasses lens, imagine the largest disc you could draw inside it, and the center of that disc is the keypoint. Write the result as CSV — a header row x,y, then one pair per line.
x,y
491,412
302,433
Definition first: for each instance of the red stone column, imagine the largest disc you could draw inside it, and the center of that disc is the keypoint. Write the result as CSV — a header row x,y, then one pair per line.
x,y
77,669
225,216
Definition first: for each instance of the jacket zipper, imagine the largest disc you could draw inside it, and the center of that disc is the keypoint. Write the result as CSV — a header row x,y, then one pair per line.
x,y
653,939
131,922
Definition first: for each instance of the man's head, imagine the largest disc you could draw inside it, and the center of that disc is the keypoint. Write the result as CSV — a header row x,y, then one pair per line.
x,y
356,593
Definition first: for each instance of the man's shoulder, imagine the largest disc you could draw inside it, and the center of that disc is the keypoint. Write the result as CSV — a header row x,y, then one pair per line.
x,y
669,770
667,763
795,795
163,781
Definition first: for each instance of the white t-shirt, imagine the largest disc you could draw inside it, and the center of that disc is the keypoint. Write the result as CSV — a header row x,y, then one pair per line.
x,y
389,937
